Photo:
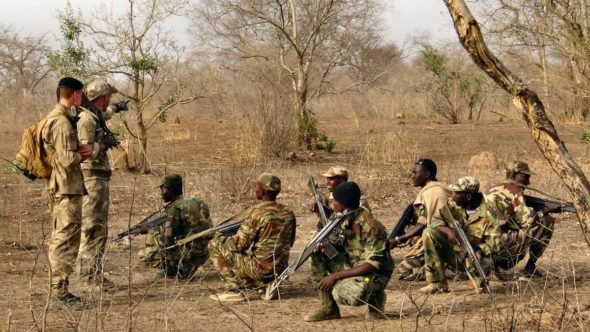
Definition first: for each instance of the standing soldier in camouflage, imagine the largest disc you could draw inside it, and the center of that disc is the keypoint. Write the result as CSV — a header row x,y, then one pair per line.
x,y
185,216
97,173
334,176
522,229
433,195
65,187
259,251
442,246
359,274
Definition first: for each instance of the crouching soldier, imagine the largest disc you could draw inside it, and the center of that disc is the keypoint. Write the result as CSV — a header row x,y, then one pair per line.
x,y
442,245
359,274
185,216
259,251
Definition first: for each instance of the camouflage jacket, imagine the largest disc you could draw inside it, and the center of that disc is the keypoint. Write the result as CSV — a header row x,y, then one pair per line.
x,y
508,199
61,140
268,232
185,216
90,132
364,240
482,226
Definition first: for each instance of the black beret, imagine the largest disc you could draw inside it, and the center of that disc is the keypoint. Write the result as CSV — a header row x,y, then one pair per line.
x,y
348,194
70,82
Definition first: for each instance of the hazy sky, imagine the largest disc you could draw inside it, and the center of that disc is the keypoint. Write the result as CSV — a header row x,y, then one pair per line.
x,y
403,17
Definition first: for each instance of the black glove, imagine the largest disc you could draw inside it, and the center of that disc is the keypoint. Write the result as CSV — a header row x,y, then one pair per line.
x,y
110,141
121,106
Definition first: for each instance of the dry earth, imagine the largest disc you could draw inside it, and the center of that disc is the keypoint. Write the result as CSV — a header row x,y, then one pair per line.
x,y
379,152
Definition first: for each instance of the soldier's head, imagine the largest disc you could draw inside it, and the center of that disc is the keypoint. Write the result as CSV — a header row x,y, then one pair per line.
x,y
519,172
100,93
171,187
347,196
69,92
335,176
465,191
424,171
268,187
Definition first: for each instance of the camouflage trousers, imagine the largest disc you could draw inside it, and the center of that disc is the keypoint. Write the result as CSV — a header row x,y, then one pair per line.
x,y
95,212
238,270
534,240
66,215
411,268
180,262
351,291
439,255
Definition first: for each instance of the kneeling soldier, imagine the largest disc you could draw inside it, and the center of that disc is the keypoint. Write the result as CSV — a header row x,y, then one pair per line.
x,y
185,216
259,251
359,274
442,246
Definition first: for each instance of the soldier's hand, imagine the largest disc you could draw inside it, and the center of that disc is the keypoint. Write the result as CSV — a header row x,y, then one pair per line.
x,y
451,234
392,243
121,106
85,151
143,229
313,207
319,248
477,255
328,282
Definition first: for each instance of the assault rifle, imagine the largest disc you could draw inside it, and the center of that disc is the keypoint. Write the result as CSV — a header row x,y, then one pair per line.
x,y
227,227
155,219
307,251
109,139
407,218
16,168
471,253
329,249
539,204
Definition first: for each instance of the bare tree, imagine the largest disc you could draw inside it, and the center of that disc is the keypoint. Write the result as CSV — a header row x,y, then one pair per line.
x,y
22,60
531,109
136,47
308,39
556,31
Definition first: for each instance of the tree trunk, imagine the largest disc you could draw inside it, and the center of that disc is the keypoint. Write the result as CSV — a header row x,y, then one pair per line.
x,y
531,109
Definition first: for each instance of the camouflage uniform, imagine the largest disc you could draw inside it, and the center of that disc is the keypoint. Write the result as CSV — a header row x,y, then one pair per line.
x,y
65,188
428,202
481,227
97,173
522,229
185,216
260,248
361,239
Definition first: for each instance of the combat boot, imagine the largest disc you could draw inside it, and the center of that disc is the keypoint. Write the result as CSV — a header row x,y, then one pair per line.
x,y
93,285
376,306
61,298
328,309
435,287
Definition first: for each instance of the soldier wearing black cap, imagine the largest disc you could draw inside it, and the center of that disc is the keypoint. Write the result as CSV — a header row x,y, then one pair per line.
x,y
185,216
65,186
360,273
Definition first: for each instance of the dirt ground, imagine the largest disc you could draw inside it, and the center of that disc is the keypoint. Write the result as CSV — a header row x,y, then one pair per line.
x,y
378,152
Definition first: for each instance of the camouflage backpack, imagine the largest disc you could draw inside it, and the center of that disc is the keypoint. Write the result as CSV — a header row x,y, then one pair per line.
x,y
32,158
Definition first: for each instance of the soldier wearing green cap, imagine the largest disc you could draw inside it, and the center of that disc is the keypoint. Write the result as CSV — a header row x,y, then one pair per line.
x,y
442,245
185,216
96,170
523,230
259,251
359,274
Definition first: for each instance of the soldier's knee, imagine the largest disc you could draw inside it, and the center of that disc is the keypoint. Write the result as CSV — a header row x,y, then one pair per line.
x,y
429,233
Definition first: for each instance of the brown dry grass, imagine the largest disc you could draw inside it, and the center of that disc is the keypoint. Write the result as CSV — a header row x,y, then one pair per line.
x,y
378,151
